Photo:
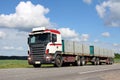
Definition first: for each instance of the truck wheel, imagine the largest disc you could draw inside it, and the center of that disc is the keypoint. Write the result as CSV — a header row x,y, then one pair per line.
x,y
82,61
78,61
58,61
112,61
100,63
97,61
94,61
37,65
107,61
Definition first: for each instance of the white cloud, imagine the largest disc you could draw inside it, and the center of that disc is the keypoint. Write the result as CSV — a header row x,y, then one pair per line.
x,y
2,34
14,43
101,11
72,35
96,40
8,48
26,16
87,1
109,11
105,34
115,44
84,37
68,33
12,48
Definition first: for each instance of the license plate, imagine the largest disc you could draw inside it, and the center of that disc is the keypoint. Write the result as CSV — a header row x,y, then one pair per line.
x,y
37,62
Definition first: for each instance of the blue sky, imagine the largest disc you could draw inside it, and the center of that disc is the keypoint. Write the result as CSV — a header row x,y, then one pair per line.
x,y
95,22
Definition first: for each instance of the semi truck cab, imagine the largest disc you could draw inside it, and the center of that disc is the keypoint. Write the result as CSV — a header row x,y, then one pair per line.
x,y
43,46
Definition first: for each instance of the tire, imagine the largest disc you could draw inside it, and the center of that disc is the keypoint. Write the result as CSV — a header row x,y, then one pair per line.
x,y
100,63
82,61
97,61
111,61
108,61
58,61
37,65
77,62
94,61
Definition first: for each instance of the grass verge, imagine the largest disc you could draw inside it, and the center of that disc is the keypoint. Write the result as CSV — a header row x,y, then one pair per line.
x,y
18,64
116,60
24,64
14,64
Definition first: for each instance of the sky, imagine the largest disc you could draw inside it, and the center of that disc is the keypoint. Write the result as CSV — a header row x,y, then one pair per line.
x,y
93,22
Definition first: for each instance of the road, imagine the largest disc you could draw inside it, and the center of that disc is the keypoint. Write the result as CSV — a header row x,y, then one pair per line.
x,y
88,72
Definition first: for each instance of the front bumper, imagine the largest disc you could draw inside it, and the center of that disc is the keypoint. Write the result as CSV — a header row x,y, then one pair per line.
x,y
48,59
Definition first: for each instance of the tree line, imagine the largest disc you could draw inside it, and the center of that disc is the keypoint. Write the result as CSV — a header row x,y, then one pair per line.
x,y
117,55
13,57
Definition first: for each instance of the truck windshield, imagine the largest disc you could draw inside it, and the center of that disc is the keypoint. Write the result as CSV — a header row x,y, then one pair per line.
x,y
38,38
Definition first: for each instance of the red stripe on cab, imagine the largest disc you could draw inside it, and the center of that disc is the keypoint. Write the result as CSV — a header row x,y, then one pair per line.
x,y
55,44
53,31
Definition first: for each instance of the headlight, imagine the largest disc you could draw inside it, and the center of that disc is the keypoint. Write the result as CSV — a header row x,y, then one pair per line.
x,y
29,58
48,57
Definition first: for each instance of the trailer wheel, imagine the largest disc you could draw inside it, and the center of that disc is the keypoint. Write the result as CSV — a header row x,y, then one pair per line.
x,y
107,61
82,61
94,61
111,61
37,65
77,62
58,61
98,61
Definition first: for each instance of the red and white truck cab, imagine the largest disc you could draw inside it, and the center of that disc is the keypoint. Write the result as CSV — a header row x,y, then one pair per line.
x,y
44,45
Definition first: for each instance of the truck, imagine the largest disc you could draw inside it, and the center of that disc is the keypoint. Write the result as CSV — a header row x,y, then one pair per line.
x,y
47,47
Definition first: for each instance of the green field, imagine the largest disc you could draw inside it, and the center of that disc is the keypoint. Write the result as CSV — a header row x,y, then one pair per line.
x,y
14,64
117,60
24,64
17,64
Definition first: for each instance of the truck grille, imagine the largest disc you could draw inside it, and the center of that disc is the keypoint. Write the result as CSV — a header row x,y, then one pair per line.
x,y
37,57
38,51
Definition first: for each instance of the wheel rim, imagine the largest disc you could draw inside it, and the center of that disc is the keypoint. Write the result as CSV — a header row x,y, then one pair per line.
x,y
78,62
83,61
58,61
98,62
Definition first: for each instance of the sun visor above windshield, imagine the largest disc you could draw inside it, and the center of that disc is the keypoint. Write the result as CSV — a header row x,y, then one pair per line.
x,y
38,29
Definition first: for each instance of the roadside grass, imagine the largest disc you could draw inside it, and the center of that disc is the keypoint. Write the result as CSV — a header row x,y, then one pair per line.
x,y
24,64
117,60
18,64
14,64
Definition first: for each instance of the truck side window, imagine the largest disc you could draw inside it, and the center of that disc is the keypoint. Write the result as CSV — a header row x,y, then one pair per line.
x,y
54,38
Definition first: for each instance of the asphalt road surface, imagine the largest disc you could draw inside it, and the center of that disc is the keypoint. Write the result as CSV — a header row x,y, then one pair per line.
x,y
88,72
